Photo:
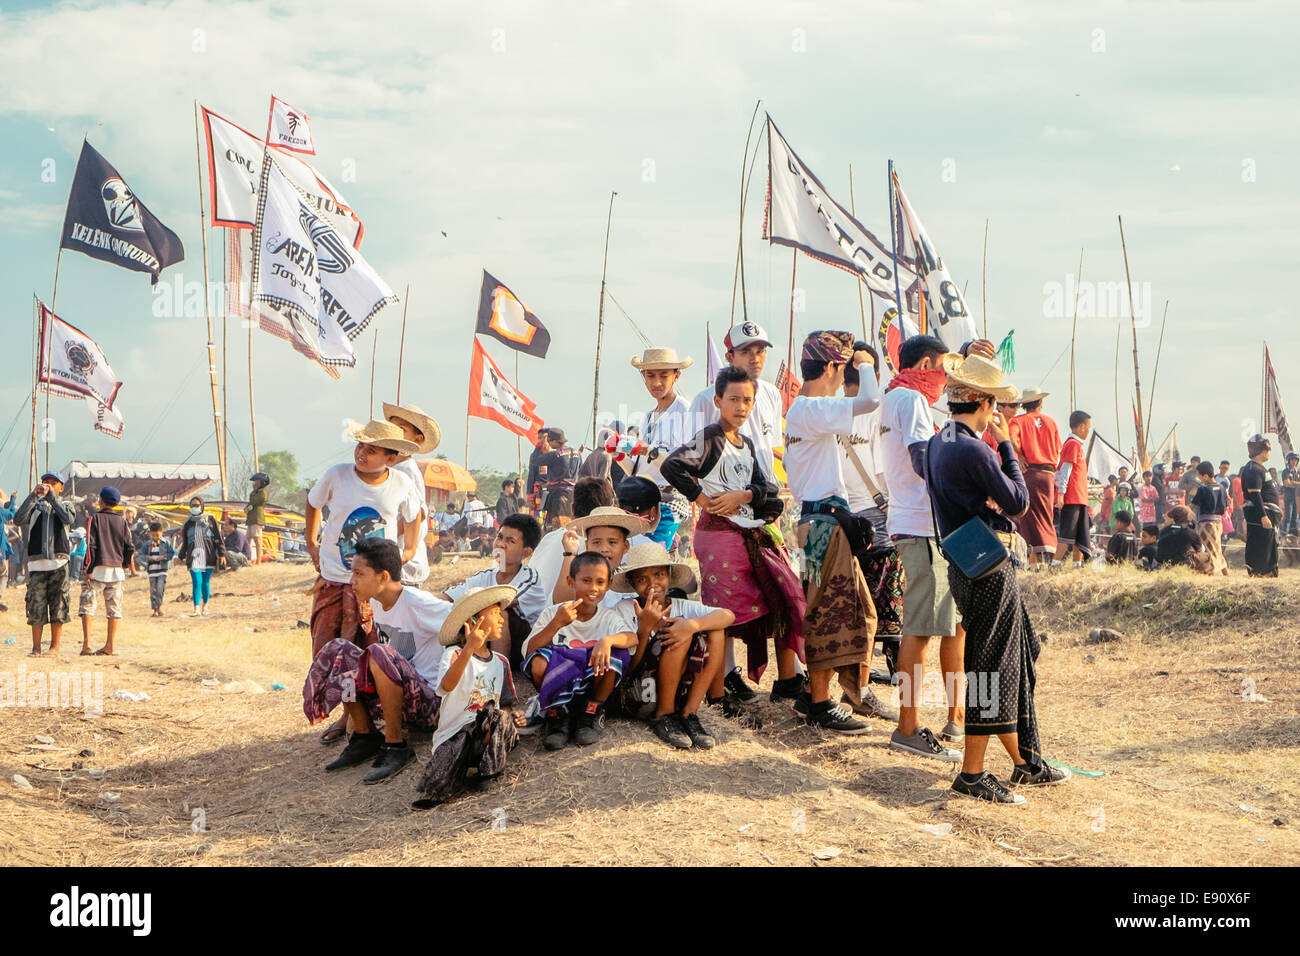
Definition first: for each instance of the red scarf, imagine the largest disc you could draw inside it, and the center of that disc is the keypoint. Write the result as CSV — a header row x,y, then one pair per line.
x,y
929,382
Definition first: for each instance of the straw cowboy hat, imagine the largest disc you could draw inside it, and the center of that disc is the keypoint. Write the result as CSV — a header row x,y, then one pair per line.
x,y
610,518
1033,395
470,603
980,375
660,358
417,417
652,555
381,434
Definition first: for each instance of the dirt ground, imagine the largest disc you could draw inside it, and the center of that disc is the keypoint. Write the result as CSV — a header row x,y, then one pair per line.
x,y
1189,724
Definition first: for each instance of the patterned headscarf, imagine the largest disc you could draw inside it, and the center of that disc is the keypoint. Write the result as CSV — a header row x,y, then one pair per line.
x,y
964,393
829,347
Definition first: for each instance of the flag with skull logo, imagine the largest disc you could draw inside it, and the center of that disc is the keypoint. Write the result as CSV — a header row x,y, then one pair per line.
x,y
106,220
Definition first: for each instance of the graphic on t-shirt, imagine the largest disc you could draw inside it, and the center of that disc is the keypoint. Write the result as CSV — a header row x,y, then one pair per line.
x,y
401,641
363,523
482,693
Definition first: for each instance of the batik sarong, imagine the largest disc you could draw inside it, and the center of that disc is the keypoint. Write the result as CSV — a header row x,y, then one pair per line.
x,y
340,674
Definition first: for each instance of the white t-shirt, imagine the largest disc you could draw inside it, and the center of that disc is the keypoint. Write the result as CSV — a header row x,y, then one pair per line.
x,y
532,601
814,461
666,431
733,472
108,575
762,427
359,510
606,622
547,559
905,419
677,607
478,514
863,441
415,571
412,625
484,681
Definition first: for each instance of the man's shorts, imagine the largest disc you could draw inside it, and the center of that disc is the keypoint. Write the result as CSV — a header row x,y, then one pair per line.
x,y
1076,527
90,589
928,607
47,597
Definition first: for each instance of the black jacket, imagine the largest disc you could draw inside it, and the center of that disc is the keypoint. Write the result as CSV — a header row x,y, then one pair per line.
x,y
684,468
57,518
212,541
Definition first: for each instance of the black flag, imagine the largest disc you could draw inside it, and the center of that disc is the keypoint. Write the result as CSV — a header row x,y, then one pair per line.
x,y
106,220
505,318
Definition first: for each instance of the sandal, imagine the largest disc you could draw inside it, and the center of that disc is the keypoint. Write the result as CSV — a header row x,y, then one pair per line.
x,y
333,735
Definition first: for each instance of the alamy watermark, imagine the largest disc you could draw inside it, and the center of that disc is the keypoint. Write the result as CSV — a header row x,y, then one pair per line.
x,y
1096,300
80,689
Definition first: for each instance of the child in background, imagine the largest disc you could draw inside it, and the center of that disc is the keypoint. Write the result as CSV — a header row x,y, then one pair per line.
x,y
476,726
109,556
1107,501
1209,504
1147,553
1123,503
576,655
1122,547
1179,543
77,556
679,647
1074,533
1147,495
156,556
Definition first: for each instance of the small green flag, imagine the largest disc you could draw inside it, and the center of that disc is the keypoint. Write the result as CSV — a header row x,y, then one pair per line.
x,y
1006,354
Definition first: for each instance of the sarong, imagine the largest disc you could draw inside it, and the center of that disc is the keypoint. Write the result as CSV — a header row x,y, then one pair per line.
x,y
638,692
335,613
840,625
1261,543
884,573
340,674
1036,525
1211,532
569,674
744,571
1001,654
483,746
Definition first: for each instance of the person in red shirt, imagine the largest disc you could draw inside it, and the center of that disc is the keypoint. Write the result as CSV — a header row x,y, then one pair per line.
x,y
1038,445
1008,411
1107,500
1072,482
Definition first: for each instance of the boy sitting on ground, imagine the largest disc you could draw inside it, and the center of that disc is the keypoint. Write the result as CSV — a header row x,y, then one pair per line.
x,y
576,655
476,727
395,676
1122,547
1146,559
609,532
679,647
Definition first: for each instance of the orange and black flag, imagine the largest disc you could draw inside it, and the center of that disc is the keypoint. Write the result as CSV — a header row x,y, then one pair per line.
x,y
502,316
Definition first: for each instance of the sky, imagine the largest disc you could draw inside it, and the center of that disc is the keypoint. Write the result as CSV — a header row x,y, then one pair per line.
x,y
490,136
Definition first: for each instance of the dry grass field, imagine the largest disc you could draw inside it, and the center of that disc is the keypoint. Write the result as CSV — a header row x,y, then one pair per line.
x,y
1190,723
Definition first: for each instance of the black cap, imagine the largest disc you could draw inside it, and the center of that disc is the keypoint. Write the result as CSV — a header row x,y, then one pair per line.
x,y
638,494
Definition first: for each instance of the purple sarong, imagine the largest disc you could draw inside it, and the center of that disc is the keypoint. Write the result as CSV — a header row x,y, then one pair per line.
x,y
341,674
568,672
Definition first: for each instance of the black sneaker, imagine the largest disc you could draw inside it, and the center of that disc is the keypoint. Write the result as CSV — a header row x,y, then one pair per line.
x,y
555,729
670,730
840,720
987,788
392,758
736,685
731,708
700,737
361,747
591,724
789,689
1027,775
802,705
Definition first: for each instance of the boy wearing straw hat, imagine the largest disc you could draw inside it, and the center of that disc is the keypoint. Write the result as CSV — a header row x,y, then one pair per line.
x,y
679,647
420,428
608,532
476,726
969,481
366,499
666,426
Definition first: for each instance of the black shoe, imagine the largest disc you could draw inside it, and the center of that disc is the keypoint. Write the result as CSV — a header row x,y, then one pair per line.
x,y
840,720
591,724
361,747
700,737
802,704
736,685
987,788
731,708
670,730
1027,775
789,689
555,729
392,758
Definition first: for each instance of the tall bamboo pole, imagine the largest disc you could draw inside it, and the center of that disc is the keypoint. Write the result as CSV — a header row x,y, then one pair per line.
x,y
1074,327
984,302
401,345
1160,345
862,308
1117,331
219,431
739,274
1132,317
600,326
374,350
794,269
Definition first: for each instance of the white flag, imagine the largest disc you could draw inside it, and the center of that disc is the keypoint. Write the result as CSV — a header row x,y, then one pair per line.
x,y
72,366
1274,413
946,314
714,363
235,169
310,286
1104,459
287,128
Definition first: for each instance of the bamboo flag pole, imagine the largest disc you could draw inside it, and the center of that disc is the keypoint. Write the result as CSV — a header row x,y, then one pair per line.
x,y
984,304
862,309
519,448
225,333
401,345
374,350
794,269
1137,380
218,430
739,274
1117,330
1074,327
42,365
600,327
1160,345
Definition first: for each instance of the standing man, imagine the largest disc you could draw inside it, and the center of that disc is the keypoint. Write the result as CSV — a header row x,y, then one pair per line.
x,y
1072,483
109,555
1290,481
256,514
421,429
508,503
45,521
906,425
558,469
665,428
841,619
1038,445
747,346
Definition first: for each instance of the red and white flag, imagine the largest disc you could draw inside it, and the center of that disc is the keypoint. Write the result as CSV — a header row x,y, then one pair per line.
x,y
788,385
287,128
1274,413
73,366
491,396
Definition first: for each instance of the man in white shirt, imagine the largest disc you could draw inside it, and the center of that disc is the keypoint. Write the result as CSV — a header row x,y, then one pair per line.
x,y
747,346
665,428
421,429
